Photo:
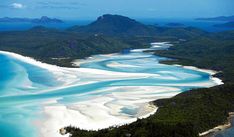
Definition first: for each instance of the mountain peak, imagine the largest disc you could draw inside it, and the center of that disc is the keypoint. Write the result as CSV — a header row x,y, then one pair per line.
x,y
106,16
45,19
108,24
114,19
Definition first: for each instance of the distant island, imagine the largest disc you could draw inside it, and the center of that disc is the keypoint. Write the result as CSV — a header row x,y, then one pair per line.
x,y
226,25
229,21
42,20
220,18
175,24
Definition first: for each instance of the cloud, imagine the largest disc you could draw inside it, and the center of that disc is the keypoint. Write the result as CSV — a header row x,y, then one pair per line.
x,y
17,5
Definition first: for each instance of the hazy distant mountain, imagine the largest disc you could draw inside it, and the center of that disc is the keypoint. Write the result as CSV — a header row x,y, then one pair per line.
x,y
226,25
115,25
45,20
220,18
42,20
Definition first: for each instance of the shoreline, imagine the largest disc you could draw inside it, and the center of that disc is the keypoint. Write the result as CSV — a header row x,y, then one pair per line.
x,y
54,69
217,80
212,132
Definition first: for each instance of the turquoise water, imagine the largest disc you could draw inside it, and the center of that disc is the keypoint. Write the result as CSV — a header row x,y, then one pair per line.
x,y
25,88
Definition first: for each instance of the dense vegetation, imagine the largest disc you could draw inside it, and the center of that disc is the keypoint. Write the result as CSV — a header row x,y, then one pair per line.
x,y
61,47
45,44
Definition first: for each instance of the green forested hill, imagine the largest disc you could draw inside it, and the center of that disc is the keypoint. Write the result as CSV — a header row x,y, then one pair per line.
x,y
44,44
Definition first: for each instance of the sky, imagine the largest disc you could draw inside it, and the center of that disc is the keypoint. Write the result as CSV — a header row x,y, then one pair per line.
x,y
90,9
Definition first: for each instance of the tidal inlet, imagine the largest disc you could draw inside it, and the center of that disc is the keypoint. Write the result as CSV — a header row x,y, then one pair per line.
x,y
38,99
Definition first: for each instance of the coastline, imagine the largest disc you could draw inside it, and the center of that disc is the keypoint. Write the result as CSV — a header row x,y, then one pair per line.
x,y
211,72
212,132
57,70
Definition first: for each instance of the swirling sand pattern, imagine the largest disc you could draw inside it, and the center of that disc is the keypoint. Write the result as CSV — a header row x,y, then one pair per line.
x,y
37,99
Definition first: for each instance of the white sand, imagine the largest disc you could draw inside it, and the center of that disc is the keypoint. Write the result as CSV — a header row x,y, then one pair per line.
x,y
160,44
139,50
117,65
154,46
104,110
216,129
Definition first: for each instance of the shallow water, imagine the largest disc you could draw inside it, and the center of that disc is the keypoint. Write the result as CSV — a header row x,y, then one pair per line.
x,y
106,90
